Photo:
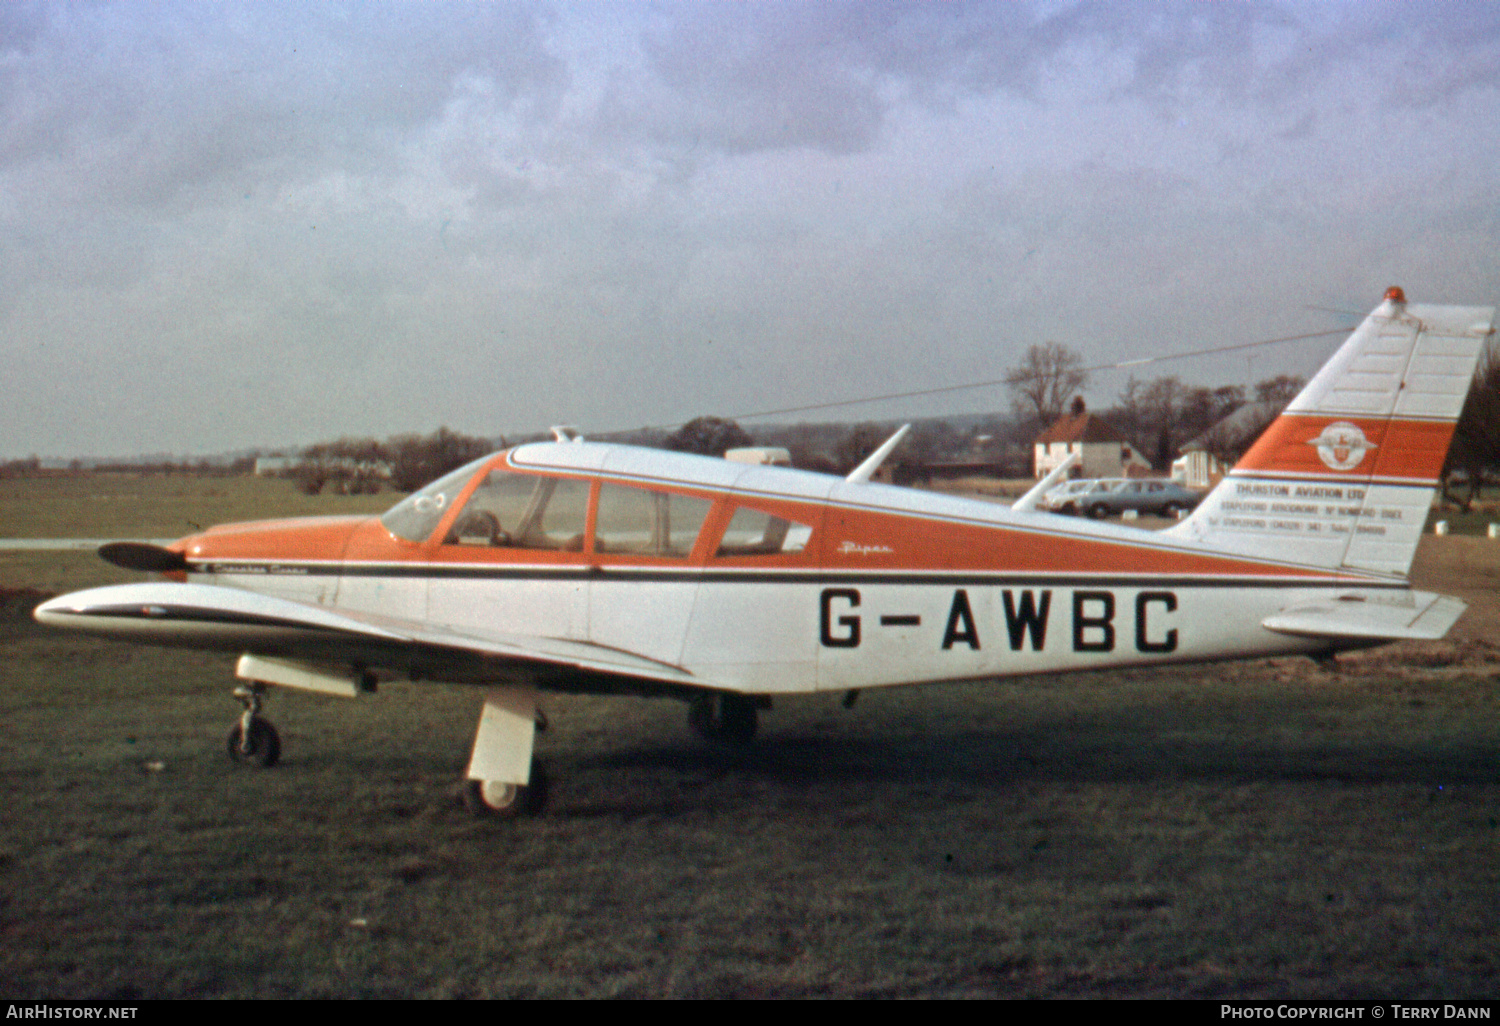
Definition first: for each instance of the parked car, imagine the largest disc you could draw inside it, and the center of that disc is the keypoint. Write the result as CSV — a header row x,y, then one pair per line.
x,y
1066,497
1103,497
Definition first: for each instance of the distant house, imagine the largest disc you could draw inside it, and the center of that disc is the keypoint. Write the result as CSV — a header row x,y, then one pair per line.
x,y
1197,468
1208,457
1233,435
1106,452
769,455
275,466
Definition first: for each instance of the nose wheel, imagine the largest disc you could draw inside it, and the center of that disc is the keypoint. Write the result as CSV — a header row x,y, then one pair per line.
x,y
252,740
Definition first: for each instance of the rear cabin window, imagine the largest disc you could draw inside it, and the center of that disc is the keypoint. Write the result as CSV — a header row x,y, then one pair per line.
x,y
523,511
637,521
752,532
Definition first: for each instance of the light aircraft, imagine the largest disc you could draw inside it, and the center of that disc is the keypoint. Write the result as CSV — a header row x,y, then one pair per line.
x,y
576,566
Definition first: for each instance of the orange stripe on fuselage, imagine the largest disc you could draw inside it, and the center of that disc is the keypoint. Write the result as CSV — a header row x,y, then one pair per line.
x,y
1298,444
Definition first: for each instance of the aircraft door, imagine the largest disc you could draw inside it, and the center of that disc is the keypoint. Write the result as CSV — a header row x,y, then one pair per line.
x,y
643,586
512,560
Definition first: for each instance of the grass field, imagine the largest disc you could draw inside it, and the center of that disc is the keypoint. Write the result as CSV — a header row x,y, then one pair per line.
x,y
1264,829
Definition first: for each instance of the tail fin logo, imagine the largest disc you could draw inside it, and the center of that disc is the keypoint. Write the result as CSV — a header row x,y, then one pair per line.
x,y
1341,446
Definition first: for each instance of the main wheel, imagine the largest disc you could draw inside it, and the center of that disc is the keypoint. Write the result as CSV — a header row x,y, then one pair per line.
x,y
1098,511
495,799
720,717
1170,510
262,748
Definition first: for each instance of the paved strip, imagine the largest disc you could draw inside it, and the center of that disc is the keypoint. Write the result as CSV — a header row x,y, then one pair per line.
x,y
71,544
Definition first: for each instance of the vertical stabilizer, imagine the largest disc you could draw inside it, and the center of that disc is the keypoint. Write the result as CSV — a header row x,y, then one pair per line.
x,y
1345,476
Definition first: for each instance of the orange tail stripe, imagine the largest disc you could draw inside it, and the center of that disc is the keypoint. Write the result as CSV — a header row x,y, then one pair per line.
x,y
1325,446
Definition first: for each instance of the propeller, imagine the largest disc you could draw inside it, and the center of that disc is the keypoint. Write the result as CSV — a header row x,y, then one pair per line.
x,y
142,556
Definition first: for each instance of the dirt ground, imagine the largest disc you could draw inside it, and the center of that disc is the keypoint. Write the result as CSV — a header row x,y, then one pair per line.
x,y
1467,568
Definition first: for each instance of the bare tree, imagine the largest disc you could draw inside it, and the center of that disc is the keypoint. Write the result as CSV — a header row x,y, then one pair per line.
x,y
1149,413
708,436
1475,451
1281,389
416,460
1044,382
312,471
855,446
1203,408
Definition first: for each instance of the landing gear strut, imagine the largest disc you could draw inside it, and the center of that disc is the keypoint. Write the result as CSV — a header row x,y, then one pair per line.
x,y
253,740
723,717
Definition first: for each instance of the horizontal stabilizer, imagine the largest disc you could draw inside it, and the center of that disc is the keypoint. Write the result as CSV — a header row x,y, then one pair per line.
x,y
1426,618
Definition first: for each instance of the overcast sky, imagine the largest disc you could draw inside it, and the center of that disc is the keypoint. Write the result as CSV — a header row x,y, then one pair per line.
x,y
231,225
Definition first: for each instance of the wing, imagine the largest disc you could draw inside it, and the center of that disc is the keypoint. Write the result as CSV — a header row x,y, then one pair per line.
x,y
205,616
1426,617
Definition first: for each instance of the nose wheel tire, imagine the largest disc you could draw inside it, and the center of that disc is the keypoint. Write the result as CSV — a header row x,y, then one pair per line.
x,y
495,799
261,747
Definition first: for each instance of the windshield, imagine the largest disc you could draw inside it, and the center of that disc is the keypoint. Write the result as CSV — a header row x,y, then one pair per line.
x,y
416,516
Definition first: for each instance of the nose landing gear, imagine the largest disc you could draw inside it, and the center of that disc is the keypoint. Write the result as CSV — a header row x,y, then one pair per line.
x,y
253,741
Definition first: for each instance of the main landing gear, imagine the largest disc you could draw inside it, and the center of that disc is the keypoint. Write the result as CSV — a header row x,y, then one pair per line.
x,y
253,741
496,799
721,716
504,780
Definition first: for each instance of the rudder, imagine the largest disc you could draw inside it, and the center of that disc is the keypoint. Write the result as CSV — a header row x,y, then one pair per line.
x,y
1345,476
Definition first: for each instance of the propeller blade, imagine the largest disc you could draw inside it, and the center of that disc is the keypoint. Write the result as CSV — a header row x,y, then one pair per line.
x,y
142,556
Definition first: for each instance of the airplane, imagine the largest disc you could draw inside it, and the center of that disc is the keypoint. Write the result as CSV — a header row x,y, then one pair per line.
x,y
585,567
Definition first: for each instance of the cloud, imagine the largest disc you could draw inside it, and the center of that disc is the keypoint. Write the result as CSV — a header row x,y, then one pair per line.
x,y
745,78
306,220
118,103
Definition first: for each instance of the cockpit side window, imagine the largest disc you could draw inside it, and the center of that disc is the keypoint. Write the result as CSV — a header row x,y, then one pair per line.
x,y
637,521
556,517
752,532
523,511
